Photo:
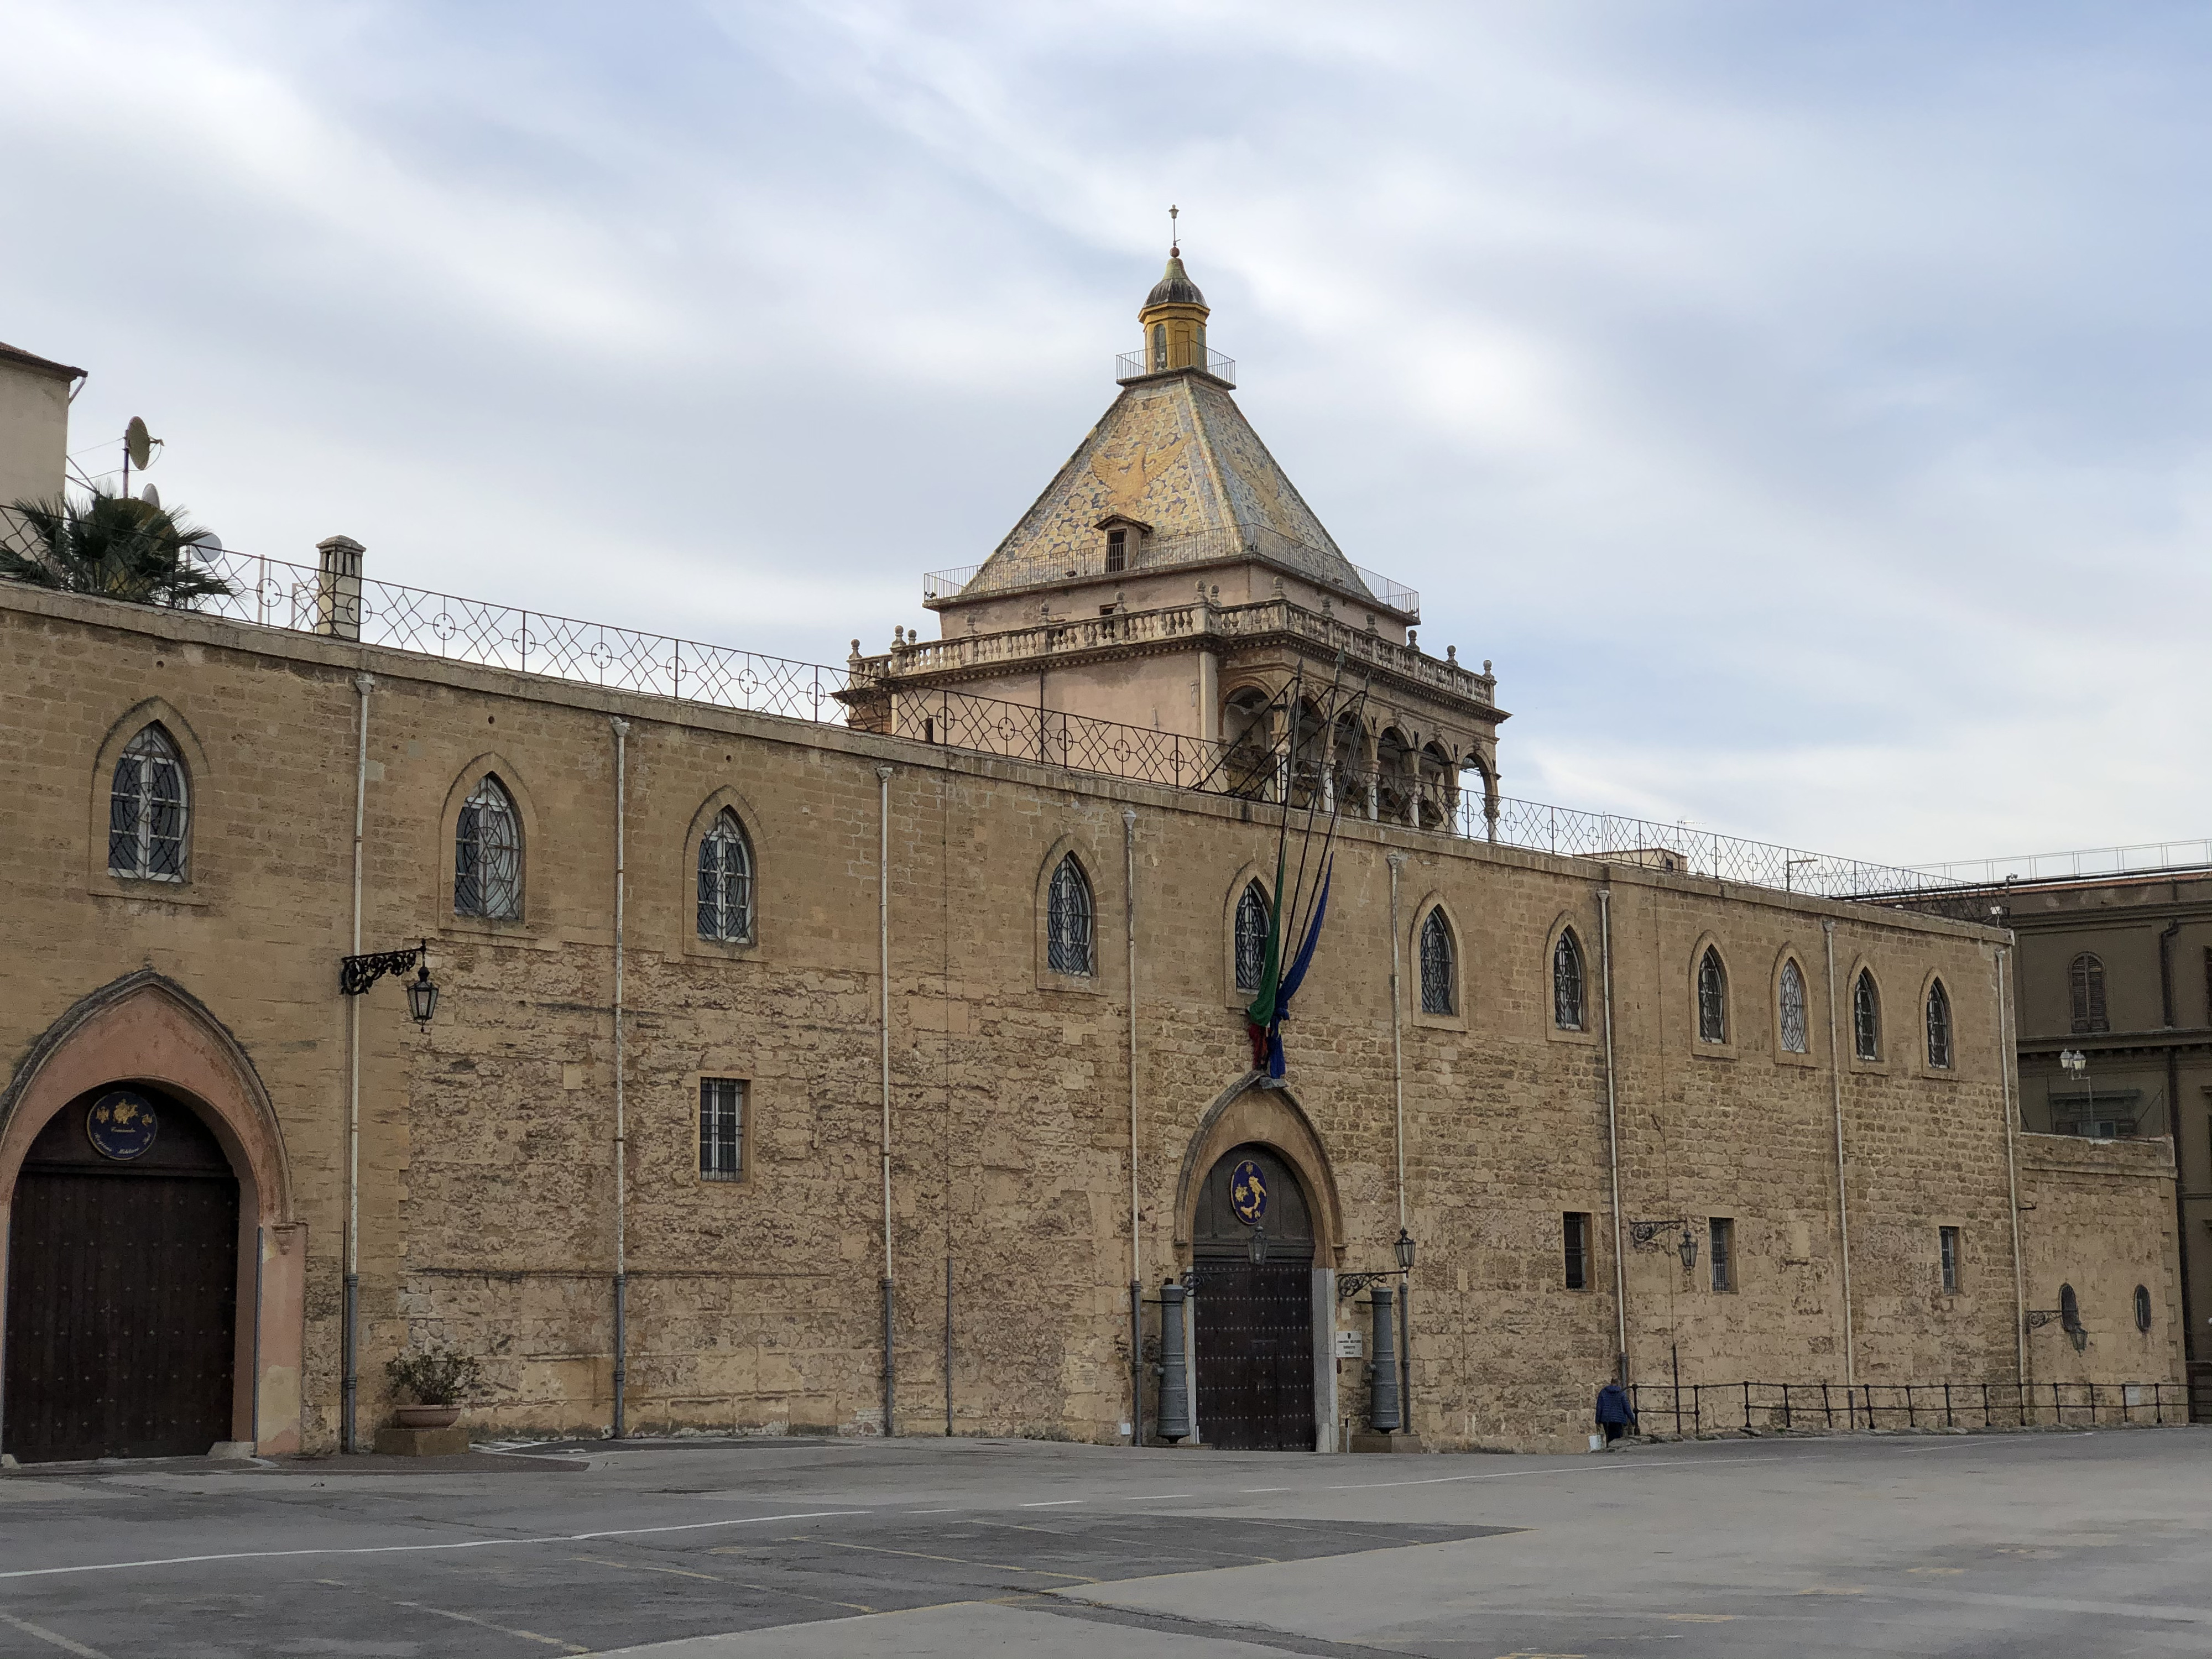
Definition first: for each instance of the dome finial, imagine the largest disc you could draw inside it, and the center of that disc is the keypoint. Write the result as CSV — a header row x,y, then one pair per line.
x,y
1175,242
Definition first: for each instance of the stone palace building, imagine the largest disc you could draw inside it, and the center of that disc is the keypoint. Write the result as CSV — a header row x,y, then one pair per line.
x,y
864,1048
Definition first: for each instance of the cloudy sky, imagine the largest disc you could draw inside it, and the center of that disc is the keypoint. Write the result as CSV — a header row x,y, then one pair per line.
x,y
1808,407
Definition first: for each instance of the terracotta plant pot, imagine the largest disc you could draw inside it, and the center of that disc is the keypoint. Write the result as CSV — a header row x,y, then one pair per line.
x,y
427,1417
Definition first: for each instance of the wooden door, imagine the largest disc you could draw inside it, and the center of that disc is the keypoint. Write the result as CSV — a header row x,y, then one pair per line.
x,y
122,1294
1253,1324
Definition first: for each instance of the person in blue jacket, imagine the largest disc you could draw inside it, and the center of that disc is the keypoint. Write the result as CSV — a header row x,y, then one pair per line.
x,y
1615,1415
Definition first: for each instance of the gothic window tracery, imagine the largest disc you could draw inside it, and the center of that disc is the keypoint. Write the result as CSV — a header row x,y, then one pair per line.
x,y
1795,1040
1439,991
1712,998
148,810
1567,982
488,855
1865,1016
725,882
1939,1025
1251,937
1068,918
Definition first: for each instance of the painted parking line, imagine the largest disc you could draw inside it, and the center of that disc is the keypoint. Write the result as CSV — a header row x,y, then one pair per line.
x,y
54,1638
486,1623
419,1549
1051,1503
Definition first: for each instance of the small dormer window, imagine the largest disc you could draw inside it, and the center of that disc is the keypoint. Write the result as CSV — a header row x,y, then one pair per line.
x,y
1117,549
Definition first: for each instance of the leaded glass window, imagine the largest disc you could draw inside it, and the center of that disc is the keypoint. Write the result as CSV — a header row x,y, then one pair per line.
x,y
725,882
1939,1025
1251,937
1712,998
1068,919
2086,976
1865,1016
1567,982
147,809
1439,995
1794,1040
488,855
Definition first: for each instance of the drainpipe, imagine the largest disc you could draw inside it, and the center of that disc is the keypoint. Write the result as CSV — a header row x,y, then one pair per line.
x,y
349,1387
1397,862
1843,1198
2173,1129
883,1027
1402,1382
2007,1065
622,1138
1613,1139
1136,1269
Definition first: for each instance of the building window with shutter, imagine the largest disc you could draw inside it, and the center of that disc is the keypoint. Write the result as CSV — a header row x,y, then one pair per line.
x,y
1720,1235
721,1128
2087,979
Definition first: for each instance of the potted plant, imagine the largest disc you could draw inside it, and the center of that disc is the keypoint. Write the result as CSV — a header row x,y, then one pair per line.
x,y
441,1379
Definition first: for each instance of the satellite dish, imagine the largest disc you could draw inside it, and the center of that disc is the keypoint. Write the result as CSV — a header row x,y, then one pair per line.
x,y
203,545
138,443
151,497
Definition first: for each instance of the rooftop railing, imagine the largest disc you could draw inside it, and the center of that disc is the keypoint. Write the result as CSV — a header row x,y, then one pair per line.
x,y
2143,859
1132,365
270,593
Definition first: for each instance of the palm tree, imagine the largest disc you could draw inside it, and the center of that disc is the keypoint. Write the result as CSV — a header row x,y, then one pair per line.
x,y
114,546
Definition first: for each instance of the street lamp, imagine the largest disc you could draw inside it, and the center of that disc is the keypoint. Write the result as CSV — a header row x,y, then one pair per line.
x,y
1256,1247
1404,1248
357,974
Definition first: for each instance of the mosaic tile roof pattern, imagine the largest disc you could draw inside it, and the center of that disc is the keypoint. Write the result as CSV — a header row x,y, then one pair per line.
x,y
1177,454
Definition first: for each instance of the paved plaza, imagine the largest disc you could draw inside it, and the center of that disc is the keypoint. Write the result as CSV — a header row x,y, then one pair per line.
x,y
2074,1544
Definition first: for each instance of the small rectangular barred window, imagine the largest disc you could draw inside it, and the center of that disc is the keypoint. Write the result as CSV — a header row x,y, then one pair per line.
x,y
1577,1232
1948,1237
721,1128
1721,1238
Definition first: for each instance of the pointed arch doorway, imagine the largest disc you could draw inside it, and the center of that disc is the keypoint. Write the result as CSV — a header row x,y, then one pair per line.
x,y
1253,1323
123,1255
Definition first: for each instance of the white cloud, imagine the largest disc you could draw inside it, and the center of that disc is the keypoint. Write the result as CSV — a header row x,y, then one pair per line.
x,y
1804,409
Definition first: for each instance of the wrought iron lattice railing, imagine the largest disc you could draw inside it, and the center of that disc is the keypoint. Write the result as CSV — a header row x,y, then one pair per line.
x,y
272,593
1132,365
1694,1408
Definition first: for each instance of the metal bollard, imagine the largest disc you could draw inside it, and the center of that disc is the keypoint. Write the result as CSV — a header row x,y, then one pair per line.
x,y
1174,1371
1382,1406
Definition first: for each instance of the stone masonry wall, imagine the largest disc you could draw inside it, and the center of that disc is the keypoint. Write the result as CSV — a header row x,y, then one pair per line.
x,y
487,1196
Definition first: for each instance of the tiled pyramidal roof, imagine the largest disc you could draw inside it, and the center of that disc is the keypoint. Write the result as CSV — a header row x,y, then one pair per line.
x,y
1175,454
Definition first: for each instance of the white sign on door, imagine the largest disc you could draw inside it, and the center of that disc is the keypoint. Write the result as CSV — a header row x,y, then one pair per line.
x,y
1352,1345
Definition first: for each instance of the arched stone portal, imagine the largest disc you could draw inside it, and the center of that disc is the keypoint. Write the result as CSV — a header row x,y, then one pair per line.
x,y
146,1033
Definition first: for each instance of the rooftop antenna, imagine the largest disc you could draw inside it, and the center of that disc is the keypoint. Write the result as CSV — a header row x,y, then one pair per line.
x,y
1175,242
139,447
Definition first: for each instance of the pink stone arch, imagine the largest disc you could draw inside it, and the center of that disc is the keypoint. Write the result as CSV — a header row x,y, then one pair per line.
x,y
146,1027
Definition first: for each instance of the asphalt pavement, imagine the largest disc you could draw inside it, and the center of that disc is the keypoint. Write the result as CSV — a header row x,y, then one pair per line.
x,y
2074,1546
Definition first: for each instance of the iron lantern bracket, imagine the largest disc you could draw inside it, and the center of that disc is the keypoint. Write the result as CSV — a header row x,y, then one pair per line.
x,y
1644,1235
357,974
1351,1285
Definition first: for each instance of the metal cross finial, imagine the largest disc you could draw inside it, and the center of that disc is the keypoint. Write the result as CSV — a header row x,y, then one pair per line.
x,y
1175,242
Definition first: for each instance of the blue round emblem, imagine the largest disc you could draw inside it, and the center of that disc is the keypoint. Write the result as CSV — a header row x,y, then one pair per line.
x,y
1247,1193
121,1125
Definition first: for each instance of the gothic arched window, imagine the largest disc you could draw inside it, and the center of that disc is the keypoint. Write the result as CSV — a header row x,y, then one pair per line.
x,y
725,882
1792,1001
488,855
2086,977
1939,1025
1067,918
1865,1016
1712,998
147,809
1251,937
1439,991
1567,982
